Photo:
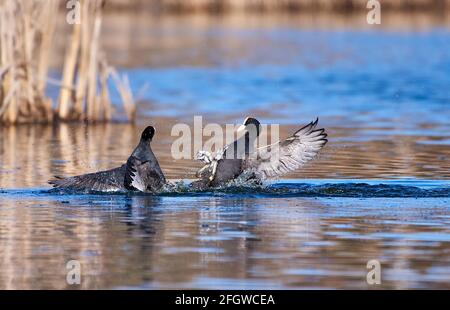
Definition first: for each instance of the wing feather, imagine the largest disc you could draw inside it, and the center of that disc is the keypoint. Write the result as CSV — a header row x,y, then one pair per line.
x,y
290,154
133,179
104,181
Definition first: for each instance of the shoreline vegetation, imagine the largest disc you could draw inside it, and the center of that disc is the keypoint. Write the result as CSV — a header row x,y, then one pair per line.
x,y
270,6
26,42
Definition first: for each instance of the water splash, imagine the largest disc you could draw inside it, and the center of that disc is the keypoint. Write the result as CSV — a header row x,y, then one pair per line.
x,y
282,189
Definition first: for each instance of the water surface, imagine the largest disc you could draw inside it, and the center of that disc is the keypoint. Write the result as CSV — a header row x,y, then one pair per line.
x,y
379,190
243,240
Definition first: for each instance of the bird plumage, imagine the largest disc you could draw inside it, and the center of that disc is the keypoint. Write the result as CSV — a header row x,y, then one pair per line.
x,y
288,155
266,162
141,172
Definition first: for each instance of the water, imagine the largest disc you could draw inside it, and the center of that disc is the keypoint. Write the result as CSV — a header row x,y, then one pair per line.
x,y
235,240
379,190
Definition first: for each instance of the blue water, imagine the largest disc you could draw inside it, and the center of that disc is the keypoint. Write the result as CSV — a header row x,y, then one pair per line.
x,y
379,190
319,234
385,78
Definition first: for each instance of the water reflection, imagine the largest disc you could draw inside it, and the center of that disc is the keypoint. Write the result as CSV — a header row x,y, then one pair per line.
x,y
188,40
179,242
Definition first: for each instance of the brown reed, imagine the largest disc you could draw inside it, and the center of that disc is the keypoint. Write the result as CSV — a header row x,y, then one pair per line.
x,y
221,6
87,69
26,34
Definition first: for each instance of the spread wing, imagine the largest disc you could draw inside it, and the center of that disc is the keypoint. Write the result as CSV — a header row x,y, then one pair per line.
x,y
104,181
290,154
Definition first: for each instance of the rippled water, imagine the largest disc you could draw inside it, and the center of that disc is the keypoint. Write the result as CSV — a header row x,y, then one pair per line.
x,y
243,239
379,190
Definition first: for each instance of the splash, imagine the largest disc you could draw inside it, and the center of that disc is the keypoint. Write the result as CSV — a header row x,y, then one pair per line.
x,y
281,189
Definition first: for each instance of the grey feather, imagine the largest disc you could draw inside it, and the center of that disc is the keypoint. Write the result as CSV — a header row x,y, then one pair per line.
x,y
103,181
141,173
266,162
288,155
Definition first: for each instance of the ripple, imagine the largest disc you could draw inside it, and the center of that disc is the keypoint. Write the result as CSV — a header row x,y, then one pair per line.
x,y
282,189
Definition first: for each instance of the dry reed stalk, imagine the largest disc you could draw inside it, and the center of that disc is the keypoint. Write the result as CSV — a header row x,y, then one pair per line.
x,y
70,63
104,96
83,67
47,24
26,32
92,102
27,43
123,86
9,86
25,36
48,27
89,68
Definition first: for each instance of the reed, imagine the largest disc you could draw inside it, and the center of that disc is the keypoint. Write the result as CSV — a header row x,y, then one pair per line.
x,y
26,35
26,32
222,6
87,69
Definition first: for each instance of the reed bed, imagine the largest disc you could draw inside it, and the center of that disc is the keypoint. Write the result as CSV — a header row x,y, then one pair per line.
x,y
26,35
26,32
219,6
